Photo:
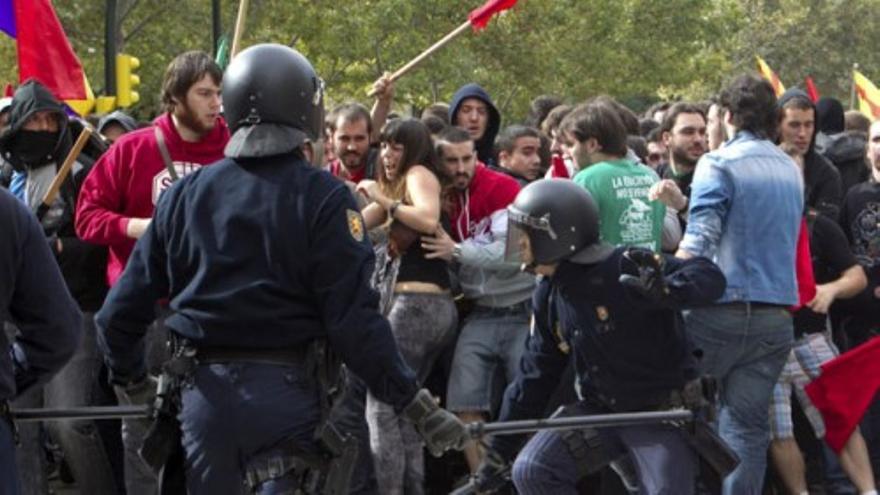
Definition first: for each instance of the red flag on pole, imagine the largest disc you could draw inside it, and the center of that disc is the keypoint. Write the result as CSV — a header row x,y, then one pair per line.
x,y
44,52
845,389
479,17
811,89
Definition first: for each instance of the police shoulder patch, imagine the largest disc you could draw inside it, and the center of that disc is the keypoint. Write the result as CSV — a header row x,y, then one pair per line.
x,y
355,225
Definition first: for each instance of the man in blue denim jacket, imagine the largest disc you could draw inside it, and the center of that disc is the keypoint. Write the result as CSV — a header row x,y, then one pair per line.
x,y
745,211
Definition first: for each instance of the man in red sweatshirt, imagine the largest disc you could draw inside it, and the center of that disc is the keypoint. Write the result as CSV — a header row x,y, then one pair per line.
x,y
117,200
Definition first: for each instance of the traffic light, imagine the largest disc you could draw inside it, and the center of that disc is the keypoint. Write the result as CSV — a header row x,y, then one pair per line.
x,y
126,96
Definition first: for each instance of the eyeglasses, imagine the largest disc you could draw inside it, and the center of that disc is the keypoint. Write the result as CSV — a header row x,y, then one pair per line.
x,y
654,157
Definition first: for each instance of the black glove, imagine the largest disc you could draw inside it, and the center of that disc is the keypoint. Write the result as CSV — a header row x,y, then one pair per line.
x,y
642,273
440,429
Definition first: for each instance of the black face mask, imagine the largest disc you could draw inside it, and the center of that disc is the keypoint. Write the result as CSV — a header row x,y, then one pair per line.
x,y
35,148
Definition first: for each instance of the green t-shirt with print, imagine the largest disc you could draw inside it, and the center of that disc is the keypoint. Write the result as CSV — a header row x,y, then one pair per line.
x,y
627,217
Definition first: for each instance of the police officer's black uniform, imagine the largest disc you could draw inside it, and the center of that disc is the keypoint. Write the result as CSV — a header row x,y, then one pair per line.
x,y
259,255
629,350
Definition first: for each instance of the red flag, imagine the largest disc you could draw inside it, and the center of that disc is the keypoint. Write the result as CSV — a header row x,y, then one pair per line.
x,y
806,279
9,90
479,17
44,52
811,89
845,389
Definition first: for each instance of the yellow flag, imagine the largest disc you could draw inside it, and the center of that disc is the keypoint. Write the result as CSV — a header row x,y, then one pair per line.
x,y
868,95
771,76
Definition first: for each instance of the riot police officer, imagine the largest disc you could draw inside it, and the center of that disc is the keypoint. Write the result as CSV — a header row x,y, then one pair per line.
x,y
260,255
613,311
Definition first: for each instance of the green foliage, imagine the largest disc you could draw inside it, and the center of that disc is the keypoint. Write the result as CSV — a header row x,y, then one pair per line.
x,y
636,50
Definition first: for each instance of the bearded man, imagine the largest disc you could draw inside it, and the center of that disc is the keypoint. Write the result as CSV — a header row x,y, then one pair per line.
x,y
117,199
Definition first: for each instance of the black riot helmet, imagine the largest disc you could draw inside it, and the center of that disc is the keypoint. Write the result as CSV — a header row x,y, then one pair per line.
x,y
553,220
273,101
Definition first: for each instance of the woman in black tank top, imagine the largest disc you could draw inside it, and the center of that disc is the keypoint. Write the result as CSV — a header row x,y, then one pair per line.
x,y
406,202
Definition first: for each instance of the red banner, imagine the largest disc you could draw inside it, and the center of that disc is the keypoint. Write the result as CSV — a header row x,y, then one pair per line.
x,y
481,16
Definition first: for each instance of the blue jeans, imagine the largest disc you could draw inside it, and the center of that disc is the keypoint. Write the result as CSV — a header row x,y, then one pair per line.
x,y
491,338
745,347
234,413
663,461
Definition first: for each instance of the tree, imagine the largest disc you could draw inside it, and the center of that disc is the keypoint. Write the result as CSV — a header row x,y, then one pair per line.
x,y
638,51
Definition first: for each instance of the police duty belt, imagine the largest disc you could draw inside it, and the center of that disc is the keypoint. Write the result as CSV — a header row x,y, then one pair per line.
x,y
80,413
480,429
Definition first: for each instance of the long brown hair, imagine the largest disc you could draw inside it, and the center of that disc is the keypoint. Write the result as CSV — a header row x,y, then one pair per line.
x,y
418,149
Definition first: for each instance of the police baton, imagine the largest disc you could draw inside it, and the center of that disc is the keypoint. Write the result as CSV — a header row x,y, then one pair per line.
x,y
80,413
479,429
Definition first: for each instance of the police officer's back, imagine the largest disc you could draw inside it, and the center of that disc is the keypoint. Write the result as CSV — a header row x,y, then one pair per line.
x,y
259,255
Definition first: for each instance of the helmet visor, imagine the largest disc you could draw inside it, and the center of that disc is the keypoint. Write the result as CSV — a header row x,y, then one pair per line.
x,y
518,249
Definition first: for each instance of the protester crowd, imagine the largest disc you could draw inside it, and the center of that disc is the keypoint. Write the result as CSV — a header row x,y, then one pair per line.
x,y
434,191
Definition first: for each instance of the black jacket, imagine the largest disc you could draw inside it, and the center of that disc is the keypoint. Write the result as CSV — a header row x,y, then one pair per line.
x,y
628,353
262,254
33,297
823,190
846,150
82,263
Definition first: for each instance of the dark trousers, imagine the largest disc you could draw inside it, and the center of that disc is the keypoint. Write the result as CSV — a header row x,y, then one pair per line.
x,y
235,414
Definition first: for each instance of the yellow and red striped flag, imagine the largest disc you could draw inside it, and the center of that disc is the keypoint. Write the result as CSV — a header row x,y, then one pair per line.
x,y
771,76
868,95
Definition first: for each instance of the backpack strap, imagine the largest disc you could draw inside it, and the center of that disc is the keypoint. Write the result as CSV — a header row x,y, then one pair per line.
x,y
166,156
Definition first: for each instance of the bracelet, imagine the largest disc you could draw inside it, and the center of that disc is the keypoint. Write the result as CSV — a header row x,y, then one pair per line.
x,y
393,208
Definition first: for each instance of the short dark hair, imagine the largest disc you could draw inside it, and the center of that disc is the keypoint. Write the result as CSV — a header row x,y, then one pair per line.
x,y
415,138
677,109
435,124
597,120
646,126
627,117
349,112
554,118
660,106
439,110
639,146
655,136
185,70
450,135
751,102
540,108
506,140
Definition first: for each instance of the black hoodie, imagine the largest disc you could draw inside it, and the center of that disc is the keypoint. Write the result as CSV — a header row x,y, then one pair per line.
x,y
81,263
485,146
822,185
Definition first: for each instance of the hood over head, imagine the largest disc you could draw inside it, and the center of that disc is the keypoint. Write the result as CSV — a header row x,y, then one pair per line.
x,y
117,117
485,145
23,149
